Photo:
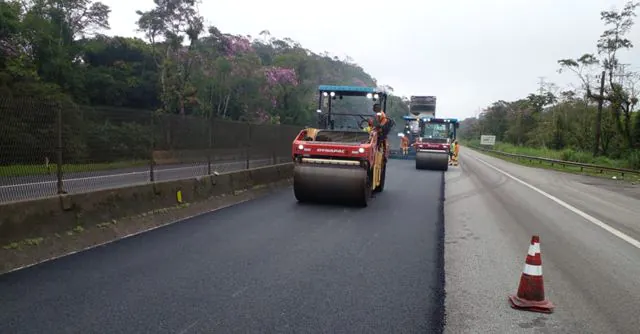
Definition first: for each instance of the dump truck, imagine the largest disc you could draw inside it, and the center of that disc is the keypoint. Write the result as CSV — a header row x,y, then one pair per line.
x,y
434,143
342,160
422,106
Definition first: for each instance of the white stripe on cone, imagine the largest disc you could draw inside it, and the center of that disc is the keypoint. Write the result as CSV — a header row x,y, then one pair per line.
x,y
532,270
534,249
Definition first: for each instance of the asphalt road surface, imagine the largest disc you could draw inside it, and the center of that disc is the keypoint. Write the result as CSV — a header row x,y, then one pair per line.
x,y
269,265
272,265
588,230
30,187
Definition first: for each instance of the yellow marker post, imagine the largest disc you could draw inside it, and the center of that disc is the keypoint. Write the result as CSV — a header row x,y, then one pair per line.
x,y
179,196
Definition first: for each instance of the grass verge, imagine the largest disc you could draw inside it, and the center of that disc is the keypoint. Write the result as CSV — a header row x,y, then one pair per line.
x,y
631,161
633,178
51,169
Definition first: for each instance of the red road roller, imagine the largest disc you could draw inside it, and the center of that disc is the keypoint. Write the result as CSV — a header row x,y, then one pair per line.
x,y
343,160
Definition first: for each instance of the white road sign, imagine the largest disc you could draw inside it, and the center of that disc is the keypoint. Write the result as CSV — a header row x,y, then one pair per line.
x,y
487,140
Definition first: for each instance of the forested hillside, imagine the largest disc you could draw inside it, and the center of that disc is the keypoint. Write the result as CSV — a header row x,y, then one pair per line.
x,y
57,48
121,97
597,121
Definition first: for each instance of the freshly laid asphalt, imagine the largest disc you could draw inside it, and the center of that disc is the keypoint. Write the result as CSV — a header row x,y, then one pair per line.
x,y
31,187
269,265
272,265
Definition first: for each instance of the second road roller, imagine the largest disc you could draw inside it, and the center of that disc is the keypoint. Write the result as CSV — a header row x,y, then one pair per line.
x,y
344,159
434,143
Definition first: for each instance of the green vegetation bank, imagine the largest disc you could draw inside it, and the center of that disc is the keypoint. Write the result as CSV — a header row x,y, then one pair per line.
x,y
596,122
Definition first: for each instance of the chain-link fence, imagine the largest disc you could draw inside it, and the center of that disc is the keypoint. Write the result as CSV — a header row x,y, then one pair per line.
x,y
49,148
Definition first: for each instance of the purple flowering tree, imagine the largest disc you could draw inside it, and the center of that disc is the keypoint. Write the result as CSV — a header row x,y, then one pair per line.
x,y
359,83
235,45
228,60
278,84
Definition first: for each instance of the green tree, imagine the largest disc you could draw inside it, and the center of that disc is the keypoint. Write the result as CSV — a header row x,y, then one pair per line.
x,y
611,41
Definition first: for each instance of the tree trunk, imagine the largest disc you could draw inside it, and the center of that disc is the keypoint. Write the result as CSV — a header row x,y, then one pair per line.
x,y
627,126
181,99
226,105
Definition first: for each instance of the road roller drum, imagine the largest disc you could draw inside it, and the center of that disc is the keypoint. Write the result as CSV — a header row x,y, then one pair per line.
x,y
432,160
331,184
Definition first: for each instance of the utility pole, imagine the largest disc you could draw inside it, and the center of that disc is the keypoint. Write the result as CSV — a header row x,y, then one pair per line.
x,y
541,83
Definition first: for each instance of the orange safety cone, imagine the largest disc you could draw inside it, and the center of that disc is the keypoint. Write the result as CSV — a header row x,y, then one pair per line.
x,y
530,295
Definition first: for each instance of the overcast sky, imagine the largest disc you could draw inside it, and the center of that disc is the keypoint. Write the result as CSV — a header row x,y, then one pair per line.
x,y
467,53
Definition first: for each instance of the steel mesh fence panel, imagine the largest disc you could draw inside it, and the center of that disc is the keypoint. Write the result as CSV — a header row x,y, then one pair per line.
x,y
28,155
51,147
104,147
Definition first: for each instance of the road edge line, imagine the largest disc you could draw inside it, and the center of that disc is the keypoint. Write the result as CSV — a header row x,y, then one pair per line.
x,y
625,237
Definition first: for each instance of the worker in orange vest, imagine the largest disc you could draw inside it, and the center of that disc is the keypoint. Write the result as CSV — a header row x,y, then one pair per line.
x,y
380,118
456,151
404,144
381,123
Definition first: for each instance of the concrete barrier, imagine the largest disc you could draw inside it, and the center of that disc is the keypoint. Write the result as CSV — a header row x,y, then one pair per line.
x,y
34,218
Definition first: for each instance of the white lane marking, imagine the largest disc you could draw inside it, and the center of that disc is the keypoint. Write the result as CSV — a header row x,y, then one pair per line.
x,y
364,248
123,174
189,327
237,293
633,242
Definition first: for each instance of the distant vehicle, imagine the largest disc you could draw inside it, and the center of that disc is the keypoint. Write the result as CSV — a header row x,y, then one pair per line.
x,y
434,142
420,107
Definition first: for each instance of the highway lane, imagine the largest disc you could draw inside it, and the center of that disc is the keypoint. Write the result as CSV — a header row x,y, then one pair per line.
x,y
34,187
591,275
269,265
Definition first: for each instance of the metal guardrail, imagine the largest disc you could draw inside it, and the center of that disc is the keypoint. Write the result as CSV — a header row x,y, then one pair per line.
x,y
563,163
